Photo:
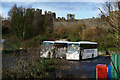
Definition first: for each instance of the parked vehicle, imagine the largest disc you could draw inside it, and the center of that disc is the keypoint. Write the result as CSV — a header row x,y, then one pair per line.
x,y
61,49
69,50
81,50
46,49
55,49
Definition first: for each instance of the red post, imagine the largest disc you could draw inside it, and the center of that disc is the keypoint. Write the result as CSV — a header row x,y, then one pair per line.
x,y
101,71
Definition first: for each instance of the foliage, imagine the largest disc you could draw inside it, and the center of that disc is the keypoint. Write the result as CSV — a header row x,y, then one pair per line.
x,y
12,42
114,49
17,20
42,25
35,41
33,30
37,70
72,34
25,23
33,68
5,30
29,16
112,13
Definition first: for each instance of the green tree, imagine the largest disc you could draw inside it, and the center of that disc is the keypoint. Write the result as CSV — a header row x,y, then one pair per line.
x,y
17,20
42,25
29,16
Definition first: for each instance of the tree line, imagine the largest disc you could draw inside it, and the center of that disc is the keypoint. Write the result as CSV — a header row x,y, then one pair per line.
x,y
25,26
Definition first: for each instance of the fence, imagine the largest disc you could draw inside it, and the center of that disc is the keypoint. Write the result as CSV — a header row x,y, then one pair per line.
x,y
115,73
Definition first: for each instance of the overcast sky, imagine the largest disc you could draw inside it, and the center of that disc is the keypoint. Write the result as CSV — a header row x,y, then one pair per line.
x,y
81,10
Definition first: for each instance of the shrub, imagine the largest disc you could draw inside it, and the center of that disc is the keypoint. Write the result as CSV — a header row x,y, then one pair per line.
x,y
35,41
31,68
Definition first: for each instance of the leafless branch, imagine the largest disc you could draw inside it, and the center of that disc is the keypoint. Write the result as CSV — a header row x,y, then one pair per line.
x,y
107,19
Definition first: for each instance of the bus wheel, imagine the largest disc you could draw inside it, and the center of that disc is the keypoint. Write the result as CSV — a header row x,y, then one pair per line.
x,y
92,55
80,57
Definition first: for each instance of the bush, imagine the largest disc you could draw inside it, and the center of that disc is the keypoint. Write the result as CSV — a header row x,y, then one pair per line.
x,y
38,69
33,68
36,41
114,49
13,43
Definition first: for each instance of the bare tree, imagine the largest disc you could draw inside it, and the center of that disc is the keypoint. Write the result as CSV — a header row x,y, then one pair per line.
x,y
112,13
